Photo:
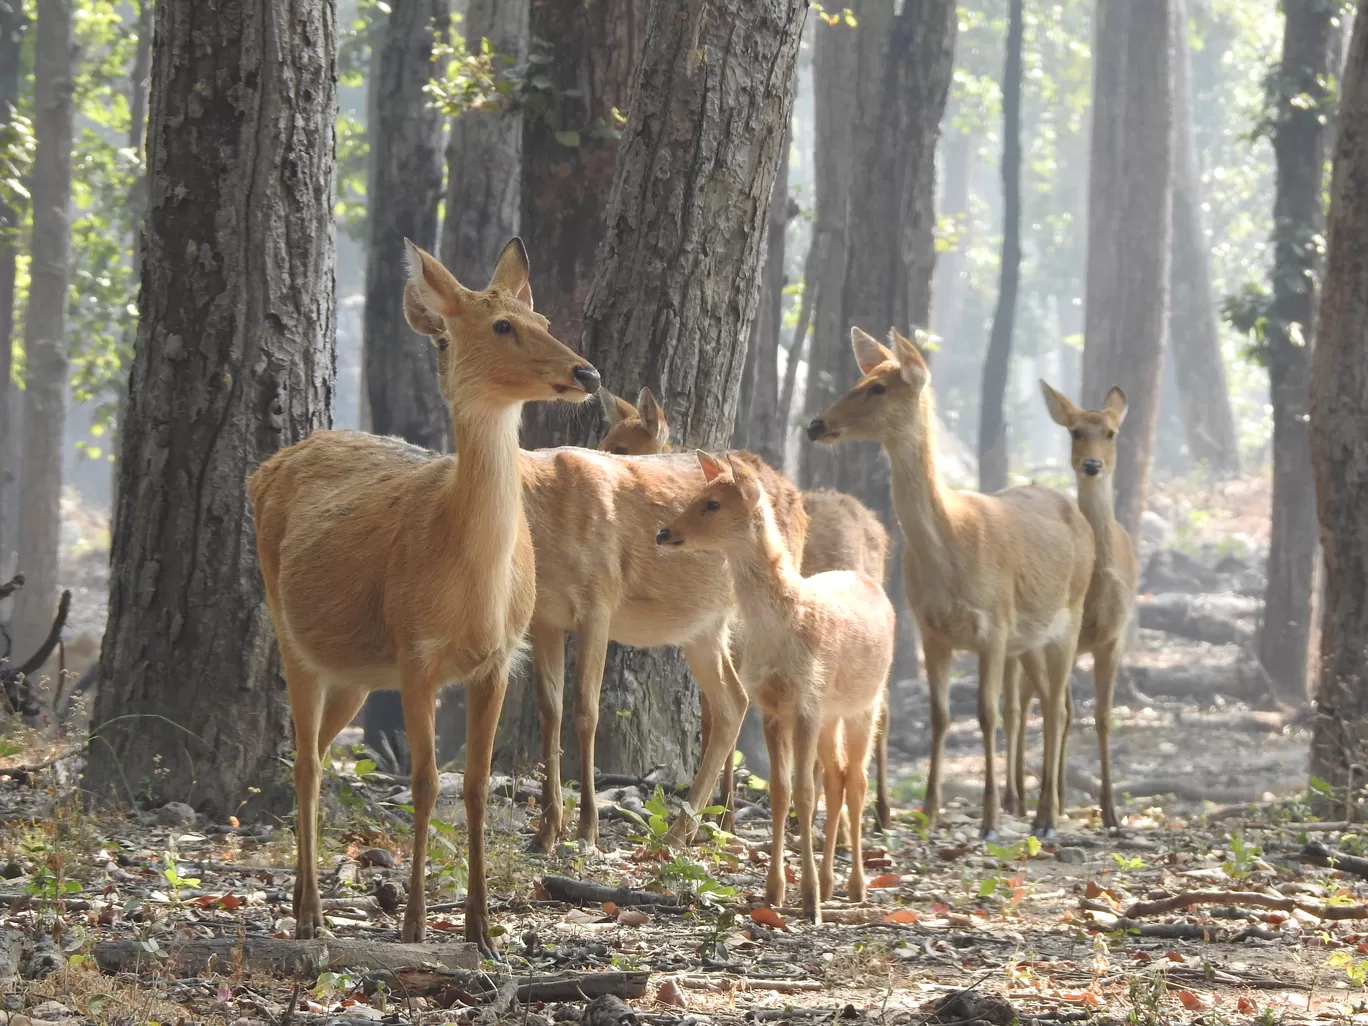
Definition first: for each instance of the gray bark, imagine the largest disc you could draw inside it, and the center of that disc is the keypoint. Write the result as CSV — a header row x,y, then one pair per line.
x,y
234,359
484,153
45,345
12,25
1339,423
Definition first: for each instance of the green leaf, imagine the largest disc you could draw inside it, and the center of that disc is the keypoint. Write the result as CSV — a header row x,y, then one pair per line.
x,y
988,887
570,139
365,768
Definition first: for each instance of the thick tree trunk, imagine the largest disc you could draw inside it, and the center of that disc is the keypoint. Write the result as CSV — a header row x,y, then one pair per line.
x,y
1130,198
12,25
234,359
992,447
1300,138
678,280
45,345
484,155
405,187
1339,424
1194,337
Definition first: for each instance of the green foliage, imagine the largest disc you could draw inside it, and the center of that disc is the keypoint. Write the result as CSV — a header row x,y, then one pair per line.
x,y
681,874
1355,969
1241,864
174,880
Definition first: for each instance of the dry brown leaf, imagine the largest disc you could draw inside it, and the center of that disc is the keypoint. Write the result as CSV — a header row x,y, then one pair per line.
x,y
766,916
669,993
902,915
886,880
1193,1001
1245,1006
633,917
610,908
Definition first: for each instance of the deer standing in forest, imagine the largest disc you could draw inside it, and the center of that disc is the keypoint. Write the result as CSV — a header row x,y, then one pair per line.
x,y
1111,592
388,567
1000,575
815,659
842,534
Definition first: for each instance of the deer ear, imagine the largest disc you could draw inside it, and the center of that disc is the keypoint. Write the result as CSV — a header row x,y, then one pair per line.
x,y
869,353
1059,405
1116,403
712,470
613,408
909,357
436,293
653,416
421,319
746,481
511,271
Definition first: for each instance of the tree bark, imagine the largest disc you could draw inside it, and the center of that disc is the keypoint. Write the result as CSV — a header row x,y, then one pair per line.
x,y
678,279
404,189
1339,423
12,25
1130,198
1194,336
992,448
484,154
46,353
1300,138
234,359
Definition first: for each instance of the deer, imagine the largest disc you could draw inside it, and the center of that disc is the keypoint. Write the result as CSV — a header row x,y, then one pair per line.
x,y
1111,592
386,566
815,659
843,533
1002,575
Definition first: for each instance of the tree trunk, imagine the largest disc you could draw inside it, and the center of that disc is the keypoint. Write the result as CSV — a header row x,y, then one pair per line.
x,y
234,359
45,346
404,190
1194,337
1300,138
1130,198
484,155
12,25
993,456
678,280
1339,424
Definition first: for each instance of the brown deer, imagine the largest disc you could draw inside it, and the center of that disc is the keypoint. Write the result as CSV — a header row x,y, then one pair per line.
x,y
388,567
815,659
1000,575
1111,593
599,574
843,533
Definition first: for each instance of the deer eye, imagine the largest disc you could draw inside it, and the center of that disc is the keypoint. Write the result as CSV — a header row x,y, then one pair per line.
x,y
502,327
1110,435
878,388
442,342
619,450
1078,435
711,506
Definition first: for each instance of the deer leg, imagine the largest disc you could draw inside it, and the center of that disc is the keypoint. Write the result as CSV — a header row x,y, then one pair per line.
x,y
548,672
833,784
1014,798
591,652
306,707
1061,773
778,739
883,810
805,800
1059,657
484,702
733,680
858,730
339,709
991,665
936,655
1106,658
725,701
420,709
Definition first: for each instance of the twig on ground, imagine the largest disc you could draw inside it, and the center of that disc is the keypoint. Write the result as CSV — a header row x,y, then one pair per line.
x,y
1187,899
585,892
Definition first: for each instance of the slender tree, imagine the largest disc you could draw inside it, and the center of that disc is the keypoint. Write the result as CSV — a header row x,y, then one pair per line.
x,y
234,359
992,447
1194,336
12,25
46,355
1129,198
1299,97
1339,424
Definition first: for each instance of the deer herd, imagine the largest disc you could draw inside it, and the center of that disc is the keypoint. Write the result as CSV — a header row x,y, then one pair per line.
x,y
387,566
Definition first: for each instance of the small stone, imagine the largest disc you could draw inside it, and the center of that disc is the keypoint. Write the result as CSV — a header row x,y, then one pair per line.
x,y
1071,856
175,814
377,857
390,895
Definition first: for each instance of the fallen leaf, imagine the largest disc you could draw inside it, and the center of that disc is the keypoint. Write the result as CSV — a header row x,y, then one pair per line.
x,y
204,901
233,822
670,994
610,908
231,901
789,874
1093,890
1193,1001
633,917
1175,956
1143,957
886,880
540,892
953,853
1245,1005
902,915
579,915
766,916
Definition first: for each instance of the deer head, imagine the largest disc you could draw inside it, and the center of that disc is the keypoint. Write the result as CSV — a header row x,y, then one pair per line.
x,y
1093,449
639,430
491,344
724,514
884,401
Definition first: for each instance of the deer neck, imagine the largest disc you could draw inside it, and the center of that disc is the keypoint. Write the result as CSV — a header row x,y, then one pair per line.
x,y
921,504
485,498
767,583
1096,502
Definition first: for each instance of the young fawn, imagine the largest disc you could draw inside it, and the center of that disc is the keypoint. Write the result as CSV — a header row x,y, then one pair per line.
x,y
843,533
388,567
815,659
1001,575
1111,592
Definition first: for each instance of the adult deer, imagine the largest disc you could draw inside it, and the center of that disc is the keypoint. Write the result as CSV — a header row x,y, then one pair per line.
x,y
815,659
388,567
1111,592
1000,575
843,533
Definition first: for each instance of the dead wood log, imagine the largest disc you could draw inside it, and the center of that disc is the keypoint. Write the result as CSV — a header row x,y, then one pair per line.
x,y
609,1010
1213,619
1320,855
288,957
445,985
1187,899
584,892
1202,683
723,984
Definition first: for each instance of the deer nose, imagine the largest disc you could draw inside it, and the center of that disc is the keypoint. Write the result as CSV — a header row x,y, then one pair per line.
x,y
816,429
663,536
588,379
1092,467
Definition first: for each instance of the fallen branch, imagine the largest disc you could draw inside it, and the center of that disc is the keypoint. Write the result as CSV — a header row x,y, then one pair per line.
x,y
18,692
1319,855
289,957
1187,899
445,985
1208,618
723,984
585,892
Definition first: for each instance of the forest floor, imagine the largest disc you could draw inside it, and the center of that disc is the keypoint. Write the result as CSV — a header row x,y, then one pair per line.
x,y
1221,899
